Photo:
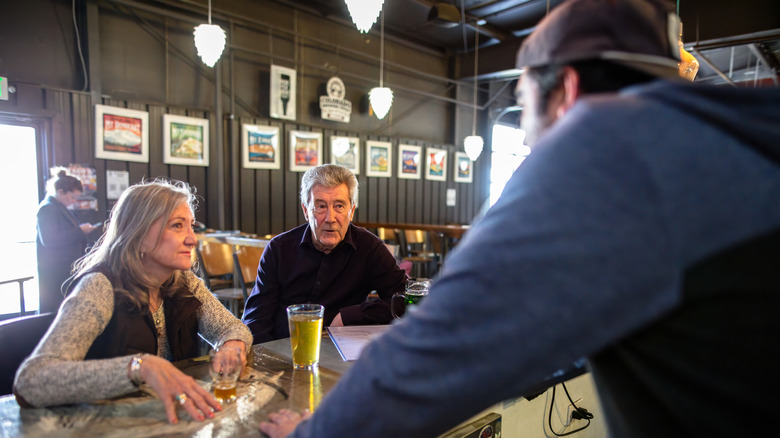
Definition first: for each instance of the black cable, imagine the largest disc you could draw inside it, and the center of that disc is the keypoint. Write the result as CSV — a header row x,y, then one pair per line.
x,y
582,411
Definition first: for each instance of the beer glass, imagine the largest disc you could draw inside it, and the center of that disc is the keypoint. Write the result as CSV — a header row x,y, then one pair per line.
x,y
416,290
305,322
224,368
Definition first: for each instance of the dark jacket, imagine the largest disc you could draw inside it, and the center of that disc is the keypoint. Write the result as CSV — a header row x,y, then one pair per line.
x,y
60,242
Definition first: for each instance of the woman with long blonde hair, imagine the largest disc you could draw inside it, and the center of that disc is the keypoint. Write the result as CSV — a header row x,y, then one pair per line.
x,y
134,307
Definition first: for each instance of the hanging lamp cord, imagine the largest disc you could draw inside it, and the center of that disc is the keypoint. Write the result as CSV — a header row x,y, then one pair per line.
x,y
381,49
476,65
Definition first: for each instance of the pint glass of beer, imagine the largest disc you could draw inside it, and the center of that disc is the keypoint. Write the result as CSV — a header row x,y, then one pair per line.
x,y
305,322
224,368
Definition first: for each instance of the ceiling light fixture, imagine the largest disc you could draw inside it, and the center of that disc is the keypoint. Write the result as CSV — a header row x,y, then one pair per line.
x,y
473,143
364,12
210,41
381,97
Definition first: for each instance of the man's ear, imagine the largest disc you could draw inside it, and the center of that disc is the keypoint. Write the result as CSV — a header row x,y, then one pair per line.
x,y
571,91
305,212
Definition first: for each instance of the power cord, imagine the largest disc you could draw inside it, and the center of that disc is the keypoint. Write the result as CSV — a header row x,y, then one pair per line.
x,y
578,414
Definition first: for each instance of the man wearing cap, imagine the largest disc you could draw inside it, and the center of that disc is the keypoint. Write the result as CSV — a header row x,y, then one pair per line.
x,y
642,233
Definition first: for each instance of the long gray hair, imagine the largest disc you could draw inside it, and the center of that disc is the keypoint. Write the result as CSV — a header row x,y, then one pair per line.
x,y
119,249
328,176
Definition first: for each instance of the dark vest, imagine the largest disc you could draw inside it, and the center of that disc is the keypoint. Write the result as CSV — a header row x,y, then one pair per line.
x,y
129,331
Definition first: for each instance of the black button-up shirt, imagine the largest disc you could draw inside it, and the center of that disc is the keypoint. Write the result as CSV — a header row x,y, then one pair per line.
x,y
293,271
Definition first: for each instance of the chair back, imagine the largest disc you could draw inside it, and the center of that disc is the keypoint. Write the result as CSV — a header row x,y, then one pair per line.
x,y
18,337
246,259
216,263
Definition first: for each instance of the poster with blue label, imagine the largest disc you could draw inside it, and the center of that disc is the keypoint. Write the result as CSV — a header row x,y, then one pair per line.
x,y
260,147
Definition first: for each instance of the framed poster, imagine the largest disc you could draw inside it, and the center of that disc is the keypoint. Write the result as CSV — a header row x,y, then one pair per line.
x,y
282,95
260,147
463,168
345,151
185,140
305,150
121,134
409,161
436,164
378,155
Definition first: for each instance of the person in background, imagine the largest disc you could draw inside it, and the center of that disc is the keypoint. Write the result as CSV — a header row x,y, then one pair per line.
x,y
60,240
641,233
327,261
135,307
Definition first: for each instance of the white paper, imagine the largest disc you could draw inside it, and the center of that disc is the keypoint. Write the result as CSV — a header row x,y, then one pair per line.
x,y
116,183
451,197
350,340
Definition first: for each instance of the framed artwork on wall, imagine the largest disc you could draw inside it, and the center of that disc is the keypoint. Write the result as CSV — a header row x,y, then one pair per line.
x,y
282,96
260,147
185,140
121,134
305,150
409,161
463,168
378,157
345,151
436,164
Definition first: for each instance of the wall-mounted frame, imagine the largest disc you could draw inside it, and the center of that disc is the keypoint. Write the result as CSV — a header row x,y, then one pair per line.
x,y
282,96
121,134
185,140
260,147
378,158
463,168
436,164
345,151
305,150
409,161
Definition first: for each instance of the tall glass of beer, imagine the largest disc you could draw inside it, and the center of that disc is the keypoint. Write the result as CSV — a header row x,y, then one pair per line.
x,y
305,322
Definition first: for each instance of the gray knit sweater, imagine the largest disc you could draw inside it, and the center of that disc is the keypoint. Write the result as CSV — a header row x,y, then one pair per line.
x,y
56,372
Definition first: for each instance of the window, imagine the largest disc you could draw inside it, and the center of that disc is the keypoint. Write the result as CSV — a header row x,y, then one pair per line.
x,y
19,176
508,151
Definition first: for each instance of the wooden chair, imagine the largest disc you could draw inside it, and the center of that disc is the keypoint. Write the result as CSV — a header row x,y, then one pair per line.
x,y
216,263
245,261
415,247
19,336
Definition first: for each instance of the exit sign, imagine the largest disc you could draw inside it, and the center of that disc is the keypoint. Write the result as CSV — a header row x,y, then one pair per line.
x,y
3,88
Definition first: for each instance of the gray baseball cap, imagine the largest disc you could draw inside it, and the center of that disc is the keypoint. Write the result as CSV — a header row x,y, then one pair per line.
x,y
640,34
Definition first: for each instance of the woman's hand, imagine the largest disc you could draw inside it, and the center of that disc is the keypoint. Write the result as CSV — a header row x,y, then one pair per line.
x,y
174,387
282,423
237,344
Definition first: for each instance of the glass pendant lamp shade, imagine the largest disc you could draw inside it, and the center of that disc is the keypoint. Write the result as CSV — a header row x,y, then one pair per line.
x,y
381,99
473,146
210,42
364,12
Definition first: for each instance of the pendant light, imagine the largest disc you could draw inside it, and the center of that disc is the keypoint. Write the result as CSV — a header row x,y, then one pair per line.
x,y
364,12
210,41
473,143
381,97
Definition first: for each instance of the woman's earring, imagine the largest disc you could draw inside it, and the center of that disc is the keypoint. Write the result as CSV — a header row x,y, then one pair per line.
x,y
143,254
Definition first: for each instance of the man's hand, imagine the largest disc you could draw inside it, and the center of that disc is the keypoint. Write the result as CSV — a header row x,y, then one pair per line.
x,y
337,322
283,422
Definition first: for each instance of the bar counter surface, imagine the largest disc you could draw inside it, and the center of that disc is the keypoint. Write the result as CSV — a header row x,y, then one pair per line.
x,y
268,384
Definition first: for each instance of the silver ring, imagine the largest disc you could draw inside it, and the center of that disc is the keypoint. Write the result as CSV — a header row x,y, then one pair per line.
x,y
182,398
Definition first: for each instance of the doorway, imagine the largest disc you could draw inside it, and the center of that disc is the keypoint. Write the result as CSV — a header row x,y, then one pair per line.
x,y
19,180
